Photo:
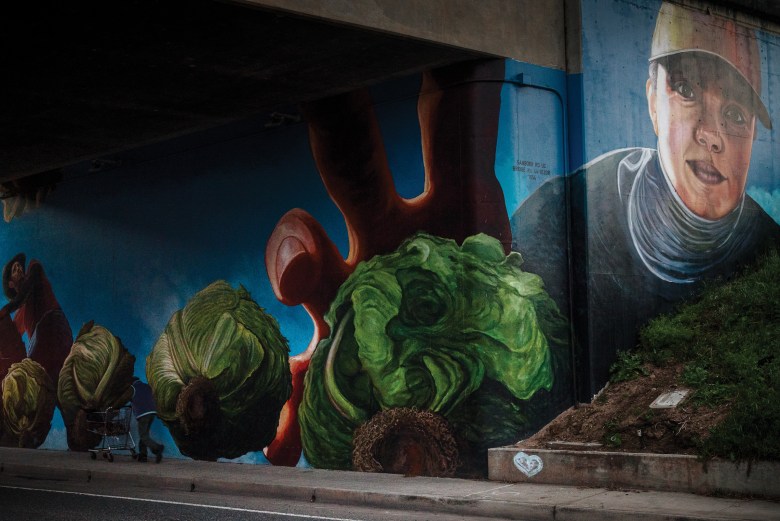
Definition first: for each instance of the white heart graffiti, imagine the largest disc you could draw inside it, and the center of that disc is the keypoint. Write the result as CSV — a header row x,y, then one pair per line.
x,y
528,465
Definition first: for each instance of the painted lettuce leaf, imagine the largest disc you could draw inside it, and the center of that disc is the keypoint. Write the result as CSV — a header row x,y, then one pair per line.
x,y
460,331
96,375
28,400
220,374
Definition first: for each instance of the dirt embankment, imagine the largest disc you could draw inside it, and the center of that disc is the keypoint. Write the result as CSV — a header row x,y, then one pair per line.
x,y
620,418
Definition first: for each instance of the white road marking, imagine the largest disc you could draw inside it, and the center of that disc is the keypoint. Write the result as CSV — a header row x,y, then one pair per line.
x,y
180,503
489,491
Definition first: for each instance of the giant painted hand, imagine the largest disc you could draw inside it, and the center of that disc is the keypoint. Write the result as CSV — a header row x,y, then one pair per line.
x,y
458,111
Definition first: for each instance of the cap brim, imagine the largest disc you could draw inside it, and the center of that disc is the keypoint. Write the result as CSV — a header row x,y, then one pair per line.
x,y
758,105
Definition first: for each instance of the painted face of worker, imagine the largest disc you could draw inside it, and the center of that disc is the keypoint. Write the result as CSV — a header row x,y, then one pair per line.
x,y
17,275
703,117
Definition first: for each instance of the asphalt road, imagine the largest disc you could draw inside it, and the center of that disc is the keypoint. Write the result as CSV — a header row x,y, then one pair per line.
x,y
39,500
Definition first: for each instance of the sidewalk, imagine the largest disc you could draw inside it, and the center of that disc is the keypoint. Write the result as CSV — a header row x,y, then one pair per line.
x,y
520,501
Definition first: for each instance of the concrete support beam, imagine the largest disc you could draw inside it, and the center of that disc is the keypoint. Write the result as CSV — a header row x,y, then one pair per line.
x,y
525,30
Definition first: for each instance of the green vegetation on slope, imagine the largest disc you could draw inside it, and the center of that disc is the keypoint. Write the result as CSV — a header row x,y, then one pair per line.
x,y
729,343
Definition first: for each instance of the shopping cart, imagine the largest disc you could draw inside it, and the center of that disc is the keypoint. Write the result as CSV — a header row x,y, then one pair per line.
x,y
113,425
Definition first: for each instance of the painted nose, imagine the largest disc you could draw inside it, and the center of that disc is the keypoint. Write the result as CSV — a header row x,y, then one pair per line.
x,y
710,126
709,136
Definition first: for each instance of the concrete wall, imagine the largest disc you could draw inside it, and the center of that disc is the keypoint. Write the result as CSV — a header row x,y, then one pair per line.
x,y
524,30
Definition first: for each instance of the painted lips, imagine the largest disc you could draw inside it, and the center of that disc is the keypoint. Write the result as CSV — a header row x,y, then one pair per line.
x,y
706,172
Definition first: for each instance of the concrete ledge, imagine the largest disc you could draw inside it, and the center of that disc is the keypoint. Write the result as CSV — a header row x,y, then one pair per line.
x,y
667,472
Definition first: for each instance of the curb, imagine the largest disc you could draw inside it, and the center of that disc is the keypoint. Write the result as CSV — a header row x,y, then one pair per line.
x,y
488,499
292,492
433,504
664,472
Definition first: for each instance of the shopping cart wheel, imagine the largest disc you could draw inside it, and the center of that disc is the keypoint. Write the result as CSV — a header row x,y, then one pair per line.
x,y
110,457
93,455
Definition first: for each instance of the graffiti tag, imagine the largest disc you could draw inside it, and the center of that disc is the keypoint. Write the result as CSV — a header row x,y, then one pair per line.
x,y
528,465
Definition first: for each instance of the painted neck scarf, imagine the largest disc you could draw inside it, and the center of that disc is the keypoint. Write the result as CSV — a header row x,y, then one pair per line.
x,y
674,243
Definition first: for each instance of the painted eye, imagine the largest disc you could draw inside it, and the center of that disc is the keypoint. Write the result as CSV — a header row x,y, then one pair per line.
x,y
735,115
684,89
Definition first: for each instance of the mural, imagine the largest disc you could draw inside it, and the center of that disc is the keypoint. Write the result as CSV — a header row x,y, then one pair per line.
x,y
657,222
28,405
96,375
371,369
29,375
462,332
27,194
402,282
36,314
219,374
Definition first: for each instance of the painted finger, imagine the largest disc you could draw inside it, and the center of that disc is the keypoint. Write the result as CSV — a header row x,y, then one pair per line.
x,y
350,156
303,264
458,110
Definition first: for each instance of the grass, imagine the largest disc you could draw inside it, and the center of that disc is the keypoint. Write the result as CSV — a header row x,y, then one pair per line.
x,y
611,435
629,365
729,341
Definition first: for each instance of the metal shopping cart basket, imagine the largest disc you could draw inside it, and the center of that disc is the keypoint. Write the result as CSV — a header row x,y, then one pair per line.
x,y
113,425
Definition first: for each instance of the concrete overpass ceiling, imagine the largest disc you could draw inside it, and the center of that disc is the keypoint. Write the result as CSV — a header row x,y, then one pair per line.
x,y
768,10
94,77
90,78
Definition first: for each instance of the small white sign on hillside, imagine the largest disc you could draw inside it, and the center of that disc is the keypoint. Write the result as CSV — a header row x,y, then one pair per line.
x,y
670,400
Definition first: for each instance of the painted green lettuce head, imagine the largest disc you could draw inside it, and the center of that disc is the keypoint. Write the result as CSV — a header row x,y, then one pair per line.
x,y
28,400
460,331
96,375
220,374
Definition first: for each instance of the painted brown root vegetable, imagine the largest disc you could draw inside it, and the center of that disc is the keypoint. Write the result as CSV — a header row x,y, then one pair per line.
x,y
198,406
406,441
458,110
80,437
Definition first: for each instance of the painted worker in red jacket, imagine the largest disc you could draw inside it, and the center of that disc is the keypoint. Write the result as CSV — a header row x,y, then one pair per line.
x,y
37,313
